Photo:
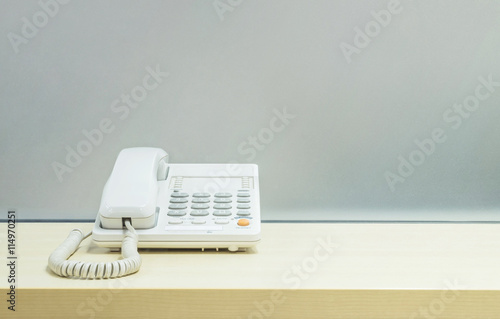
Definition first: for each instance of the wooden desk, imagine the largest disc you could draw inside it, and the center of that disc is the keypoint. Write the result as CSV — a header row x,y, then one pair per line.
x,y
329,270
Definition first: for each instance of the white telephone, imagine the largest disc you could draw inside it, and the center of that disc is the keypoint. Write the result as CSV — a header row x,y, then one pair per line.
x,y
149,203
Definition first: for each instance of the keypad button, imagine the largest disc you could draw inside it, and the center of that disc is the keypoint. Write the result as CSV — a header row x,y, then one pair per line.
x,y
179,194
243,195
198,222
222,200
201,195
243,213
222,213
223,195
222,206
178,200
199,213
175,221
243,206
176,213
243,222
222,221
177,206
200,200
199,206
243,200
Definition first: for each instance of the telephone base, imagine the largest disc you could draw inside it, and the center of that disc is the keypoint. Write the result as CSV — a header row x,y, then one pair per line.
x,y
196,206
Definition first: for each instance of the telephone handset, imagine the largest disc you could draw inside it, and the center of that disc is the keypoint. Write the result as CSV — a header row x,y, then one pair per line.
x,y
132,189
149,203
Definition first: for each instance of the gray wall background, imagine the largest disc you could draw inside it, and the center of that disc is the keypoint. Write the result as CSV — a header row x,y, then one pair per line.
x,y
232,65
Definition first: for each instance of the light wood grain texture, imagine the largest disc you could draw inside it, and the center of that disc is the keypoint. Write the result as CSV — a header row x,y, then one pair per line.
x,y
297,271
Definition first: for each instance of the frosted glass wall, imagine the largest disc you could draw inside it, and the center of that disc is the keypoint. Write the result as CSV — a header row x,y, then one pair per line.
x,y
353,110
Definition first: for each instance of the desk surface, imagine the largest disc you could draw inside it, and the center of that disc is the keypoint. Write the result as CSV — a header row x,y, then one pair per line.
x,y
290,257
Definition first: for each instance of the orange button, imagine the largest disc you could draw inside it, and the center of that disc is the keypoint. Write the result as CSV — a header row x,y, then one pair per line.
x,y
243,222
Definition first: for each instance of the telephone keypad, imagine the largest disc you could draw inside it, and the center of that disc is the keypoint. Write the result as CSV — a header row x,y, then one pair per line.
x,y
202,206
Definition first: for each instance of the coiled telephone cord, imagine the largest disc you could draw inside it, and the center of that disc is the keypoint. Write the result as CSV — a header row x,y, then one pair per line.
x,y
130,263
